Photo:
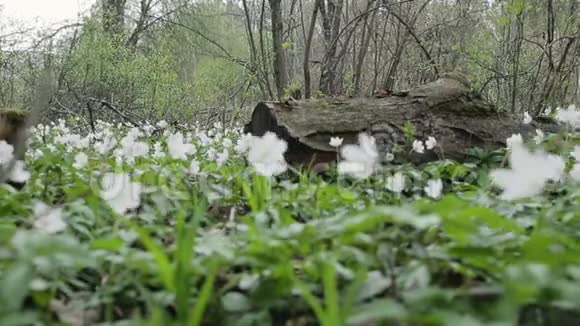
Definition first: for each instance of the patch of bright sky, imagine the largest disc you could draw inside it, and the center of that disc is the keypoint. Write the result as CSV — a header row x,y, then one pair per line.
x,y
40,13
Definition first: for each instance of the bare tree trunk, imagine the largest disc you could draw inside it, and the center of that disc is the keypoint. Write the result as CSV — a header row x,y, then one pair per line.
x,y
280,73
331,24
306,63
265,60
366,38
519,36
114,16
253,51
553,79
144,13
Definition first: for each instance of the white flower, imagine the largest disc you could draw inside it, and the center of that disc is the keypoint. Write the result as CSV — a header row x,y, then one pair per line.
x,y
73,140
515,139
37,153
18,173
106,145
217,137
222,157
576,153
120,192
48,219
203,138
130,148
266,154
360,161
162,124
6,152
570,116
244,143
575,172
539,136
396,183
177,148
227,142
134,133
158,151
389,157
211,154
418,147
81,160
335,141
134,150
434,188
194,167
431,142
528,174
527,118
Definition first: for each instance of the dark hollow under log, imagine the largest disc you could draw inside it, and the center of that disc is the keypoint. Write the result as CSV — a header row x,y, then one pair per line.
x,y
447,109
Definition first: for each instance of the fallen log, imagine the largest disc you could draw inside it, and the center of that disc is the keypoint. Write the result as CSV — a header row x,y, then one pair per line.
x,y
448,109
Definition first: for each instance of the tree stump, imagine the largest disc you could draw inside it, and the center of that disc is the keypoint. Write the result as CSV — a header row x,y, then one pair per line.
x,y
448,109
13,131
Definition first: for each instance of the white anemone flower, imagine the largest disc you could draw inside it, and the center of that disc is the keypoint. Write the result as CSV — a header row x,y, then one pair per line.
x,y
434,188
211,154
6,152
131,151
120,192
569,116
227,142
222,157
431,142
527,118
194,167
158,151
396,183
266,154
539,137
18,173
81,160
162,124
73,140
244,143
576,153
178,149
203,138
108,143
528,174
575,172
418,147
515,139
48,219
335,141
360,161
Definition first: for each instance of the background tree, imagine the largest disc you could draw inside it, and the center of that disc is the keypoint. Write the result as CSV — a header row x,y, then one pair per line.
x,y
177,59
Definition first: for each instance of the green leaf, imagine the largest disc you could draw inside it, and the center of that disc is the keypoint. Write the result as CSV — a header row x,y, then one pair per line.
x,y
236,302
14,285
110,243
379,310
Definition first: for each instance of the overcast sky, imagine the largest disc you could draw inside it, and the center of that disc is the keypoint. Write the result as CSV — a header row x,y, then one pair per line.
x,y
43,11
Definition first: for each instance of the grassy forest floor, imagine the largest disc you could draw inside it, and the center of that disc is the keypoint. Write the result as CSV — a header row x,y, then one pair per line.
x,y
159,227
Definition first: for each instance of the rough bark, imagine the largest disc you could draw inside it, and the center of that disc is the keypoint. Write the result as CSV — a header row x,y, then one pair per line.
x,y
280,73
13,125
447,109
114,16
306,63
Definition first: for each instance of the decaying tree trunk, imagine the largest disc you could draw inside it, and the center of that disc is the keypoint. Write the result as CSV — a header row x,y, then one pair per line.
x,y
447,109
